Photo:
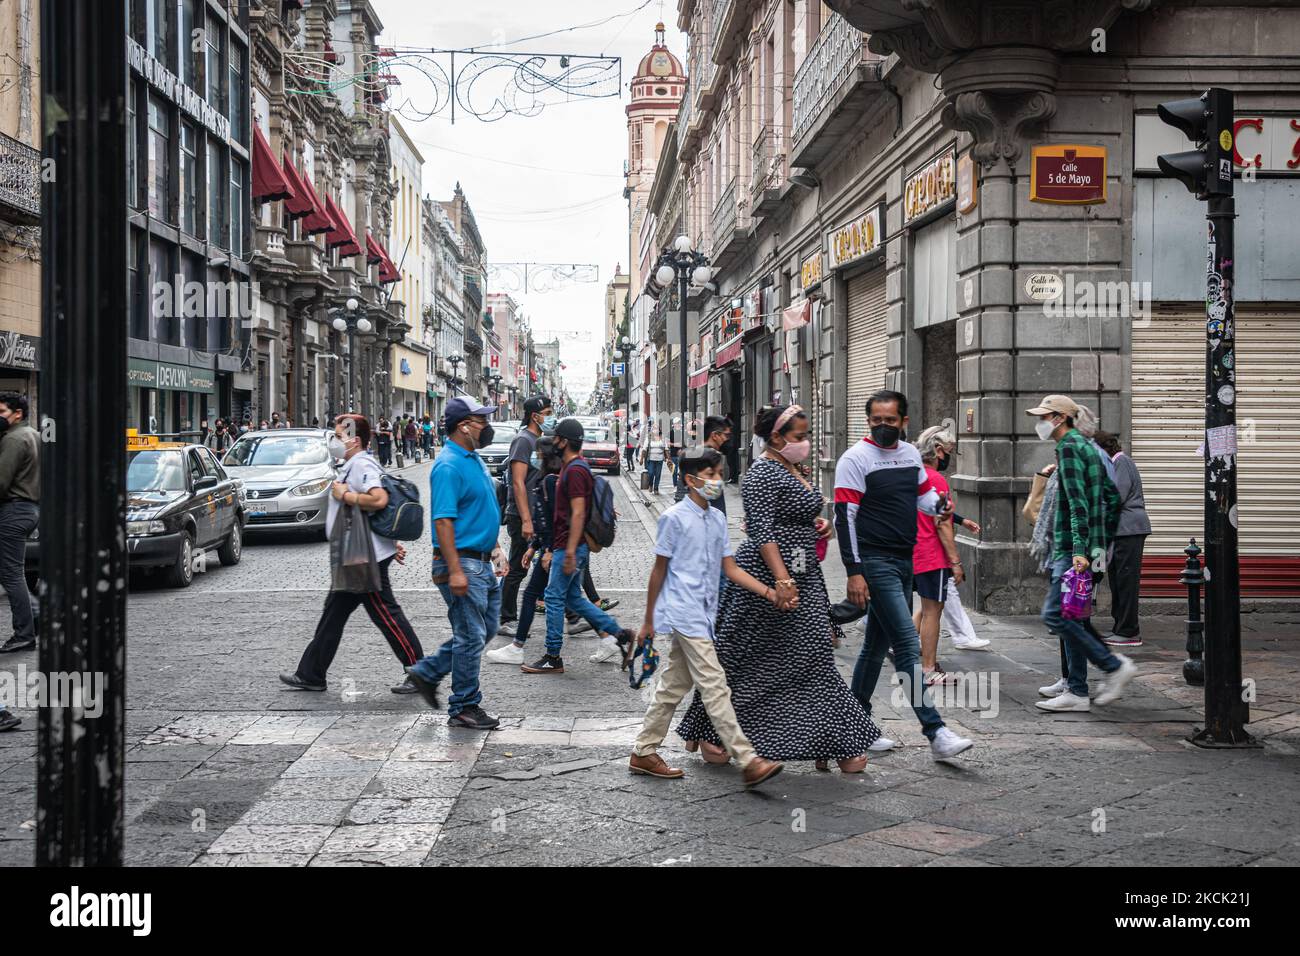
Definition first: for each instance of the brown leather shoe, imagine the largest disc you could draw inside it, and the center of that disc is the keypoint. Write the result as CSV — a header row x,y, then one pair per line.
x,y
653,765
759,770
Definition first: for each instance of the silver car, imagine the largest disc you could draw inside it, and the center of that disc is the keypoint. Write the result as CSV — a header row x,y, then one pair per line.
x,y
495,454
286,474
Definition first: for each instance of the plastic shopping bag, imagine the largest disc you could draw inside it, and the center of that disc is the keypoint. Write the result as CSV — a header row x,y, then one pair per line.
x,y
353,567
1076,595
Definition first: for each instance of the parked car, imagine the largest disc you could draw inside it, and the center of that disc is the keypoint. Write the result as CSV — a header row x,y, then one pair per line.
x,y
180,503
495,454
600,449
287,474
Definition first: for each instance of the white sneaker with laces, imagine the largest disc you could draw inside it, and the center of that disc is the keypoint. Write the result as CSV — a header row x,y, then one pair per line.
x,y
510,653
1066,702
1055,690
607,650
1117,680
978,644
946,744
882,744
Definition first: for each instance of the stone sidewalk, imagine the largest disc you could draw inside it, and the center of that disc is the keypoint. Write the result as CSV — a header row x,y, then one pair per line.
x,y
225,767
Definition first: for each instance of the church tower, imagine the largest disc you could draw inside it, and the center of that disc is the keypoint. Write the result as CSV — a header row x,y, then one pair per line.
x,y
657,91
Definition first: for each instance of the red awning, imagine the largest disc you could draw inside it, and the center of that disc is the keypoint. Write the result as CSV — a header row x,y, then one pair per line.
x,y
729,352
698,379
373,252
269,181
342,236
305,204
320,219
797,315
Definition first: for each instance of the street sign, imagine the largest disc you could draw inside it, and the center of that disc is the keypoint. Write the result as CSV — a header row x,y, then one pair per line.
x,y
618,368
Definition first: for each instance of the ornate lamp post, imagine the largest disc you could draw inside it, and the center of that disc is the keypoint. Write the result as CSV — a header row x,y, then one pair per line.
x,y
688,267
351,319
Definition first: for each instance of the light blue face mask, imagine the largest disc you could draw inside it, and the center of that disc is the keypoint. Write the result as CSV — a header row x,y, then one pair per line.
x,y
548,424
535,462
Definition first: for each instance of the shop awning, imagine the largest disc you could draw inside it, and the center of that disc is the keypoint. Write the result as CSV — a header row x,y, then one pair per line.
x,y
375,253
698,379
342,236
796,315
305,204
729,352
269,181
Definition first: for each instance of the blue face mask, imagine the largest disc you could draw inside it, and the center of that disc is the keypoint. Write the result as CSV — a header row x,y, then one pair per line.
x,y
548,424
535,462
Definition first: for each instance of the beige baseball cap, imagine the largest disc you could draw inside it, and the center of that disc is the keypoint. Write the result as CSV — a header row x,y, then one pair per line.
x,y
1059,404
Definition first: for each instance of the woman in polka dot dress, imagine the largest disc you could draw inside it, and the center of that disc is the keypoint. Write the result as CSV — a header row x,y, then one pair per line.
x,y
790,700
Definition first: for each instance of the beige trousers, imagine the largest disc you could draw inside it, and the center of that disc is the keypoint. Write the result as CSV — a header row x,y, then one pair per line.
x,y
693,661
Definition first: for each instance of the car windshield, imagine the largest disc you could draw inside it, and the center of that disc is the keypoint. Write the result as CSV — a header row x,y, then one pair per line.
x,y
278,450
156,471
594,434
503,434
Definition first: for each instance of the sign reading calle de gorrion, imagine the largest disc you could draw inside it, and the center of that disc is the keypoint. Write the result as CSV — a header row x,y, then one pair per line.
x,y
859,237
931,188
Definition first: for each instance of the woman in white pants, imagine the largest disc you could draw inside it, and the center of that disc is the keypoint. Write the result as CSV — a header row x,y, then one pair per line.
x,y
955,620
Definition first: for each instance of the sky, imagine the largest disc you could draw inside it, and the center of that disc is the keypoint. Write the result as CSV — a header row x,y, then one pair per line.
x,y
544,188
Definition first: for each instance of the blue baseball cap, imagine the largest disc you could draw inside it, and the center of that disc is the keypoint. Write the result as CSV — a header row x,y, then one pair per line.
x,y
459,409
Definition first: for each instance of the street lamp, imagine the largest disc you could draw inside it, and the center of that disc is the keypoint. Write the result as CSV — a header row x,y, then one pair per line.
x,y
688,267
351,319
455,361
624,355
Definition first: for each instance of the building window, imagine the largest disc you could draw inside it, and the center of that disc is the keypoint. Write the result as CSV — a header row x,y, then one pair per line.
x,y
193,309
188,41
189,182
157,32
164,326
139,300
236,93
216,74
132,136
636,145
159,160
238,214
216,195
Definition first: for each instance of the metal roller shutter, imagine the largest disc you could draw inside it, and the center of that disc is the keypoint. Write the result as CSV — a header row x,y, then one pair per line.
x,y
866,347
1168,426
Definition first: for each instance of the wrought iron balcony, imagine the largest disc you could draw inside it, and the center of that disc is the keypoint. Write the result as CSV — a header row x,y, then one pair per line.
x,y
768,171
837,66
473,342
20,181
730,226
722,22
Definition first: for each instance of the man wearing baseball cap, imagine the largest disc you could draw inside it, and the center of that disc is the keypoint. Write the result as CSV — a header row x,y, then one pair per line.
x,y
519,518
467,564
1087,515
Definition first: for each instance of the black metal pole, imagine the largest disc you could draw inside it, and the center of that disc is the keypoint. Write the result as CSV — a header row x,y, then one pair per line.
x,y
1193,667
84,313
682,269
1226,710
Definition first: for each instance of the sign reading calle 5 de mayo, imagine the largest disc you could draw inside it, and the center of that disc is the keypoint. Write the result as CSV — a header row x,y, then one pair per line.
x,y
810,272
931,188
1068,174
855,239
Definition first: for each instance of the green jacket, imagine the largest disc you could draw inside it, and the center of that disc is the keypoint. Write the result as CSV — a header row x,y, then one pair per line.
x,y
1087,513
20,464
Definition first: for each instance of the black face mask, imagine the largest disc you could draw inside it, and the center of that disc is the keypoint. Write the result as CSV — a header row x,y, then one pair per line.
x,y
885,435
485,436
4,425
942,464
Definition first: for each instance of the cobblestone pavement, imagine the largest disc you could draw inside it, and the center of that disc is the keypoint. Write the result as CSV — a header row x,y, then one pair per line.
x,y
226,767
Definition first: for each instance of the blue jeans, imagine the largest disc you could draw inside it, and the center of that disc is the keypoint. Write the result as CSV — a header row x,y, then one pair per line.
x,y
656,469
565,590
474,619
1078,642
533,593
889,624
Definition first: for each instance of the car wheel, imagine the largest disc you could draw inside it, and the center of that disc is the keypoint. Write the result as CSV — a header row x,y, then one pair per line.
x,y
181,573
233,549
614,470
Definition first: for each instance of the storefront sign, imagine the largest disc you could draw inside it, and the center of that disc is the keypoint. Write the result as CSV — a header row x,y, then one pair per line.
x,y
930,189
967,194
1071,175
855,239
810,271
1266,142
19,351
167,83
145,373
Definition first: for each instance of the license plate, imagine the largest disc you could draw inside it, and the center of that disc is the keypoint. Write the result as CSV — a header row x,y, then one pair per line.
x,y
264,507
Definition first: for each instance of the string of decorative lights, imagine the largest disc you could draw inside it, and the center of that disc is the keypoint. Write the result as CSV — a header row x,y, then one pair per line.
x,y
540,276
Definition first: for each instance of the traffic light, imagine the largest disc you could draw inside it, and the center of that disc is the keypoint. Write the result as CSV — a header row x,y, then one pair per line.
x,y
1206,121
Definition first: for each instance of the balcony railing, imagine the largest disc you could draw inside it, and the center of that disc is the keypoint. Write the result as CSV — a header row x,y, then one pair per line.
x,y
724,215
768,163
839,50
473,341
720,28
20,181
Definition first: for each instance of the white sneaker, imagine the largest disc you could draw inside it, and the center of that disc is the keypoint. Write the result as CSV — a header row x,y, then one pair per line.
x,y
947,744
1065,702
976,644
1116,681
606,650
882,744
510,653
1055,690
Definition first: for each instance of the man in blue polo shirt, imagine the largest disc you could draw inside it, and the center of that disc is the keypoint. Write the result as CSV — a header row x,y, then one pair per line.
x,y
467,564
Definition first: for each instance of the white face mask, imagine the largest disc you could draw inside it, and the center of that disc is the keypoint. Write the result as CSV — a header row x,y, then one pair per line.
x,y
337,448
1045,427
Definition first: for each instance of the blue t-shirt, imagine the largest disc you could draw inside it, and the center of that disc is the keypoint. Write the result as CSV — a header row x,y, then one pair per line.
x,y
462,489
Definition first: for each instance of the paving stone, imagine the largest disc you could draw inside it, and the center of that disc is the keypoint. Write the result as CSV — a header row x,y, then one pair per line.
x,y
294,838
387,810
368,858
863,851
555,769
284,729
382,838
253,859
332,787
931,837
321,812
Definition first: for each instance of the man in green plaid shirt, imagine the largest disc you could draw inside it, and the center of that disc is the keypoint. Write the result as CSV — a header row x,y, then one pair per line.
x,y
1087,514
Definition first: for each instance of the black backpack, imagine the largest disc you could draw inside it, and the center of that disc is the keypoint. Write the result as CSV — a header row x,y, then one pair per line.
x,y
403,517
602,517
